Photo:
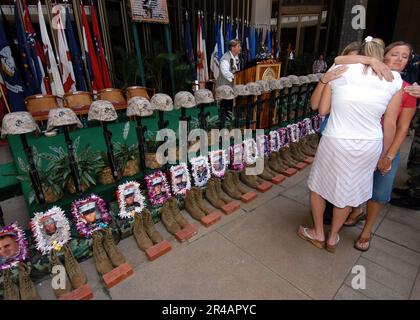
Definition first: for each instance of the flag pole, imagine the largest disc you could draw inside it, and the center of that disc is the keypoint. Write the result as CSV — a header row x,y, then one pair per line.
x,y
4,99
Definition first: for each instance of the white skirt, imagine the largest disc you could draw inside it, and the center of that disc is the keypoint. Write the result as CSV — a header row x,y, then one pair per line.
x,y
342,172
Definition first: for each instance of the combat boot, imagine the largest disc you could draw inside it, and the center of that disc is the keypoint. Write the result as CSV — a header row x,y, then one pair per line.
x,y
11,290
199,198
238,183
269,170
266,174
179,218
75,272
111,249
294,152
55,261
220,192
281,163
273,162
168,219
26,286
229,186
142,239
191,205
314,141
299,147
212,196
249,180
149,225
306,149
287,159
102,262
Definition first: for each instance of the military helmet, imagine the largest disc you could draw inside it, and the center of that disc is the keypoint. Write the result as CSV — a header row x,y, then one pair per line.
x,y
275,84
254,88
313,77
294,79
18,123
184,99
102,110
139,106
203,96
225,93
241,90
162,102
304,80
287,83
62,117
264,85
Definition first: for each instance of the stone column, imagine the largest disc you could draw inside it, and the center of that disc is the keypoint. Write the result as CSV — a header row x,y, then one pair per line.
x,y
261,13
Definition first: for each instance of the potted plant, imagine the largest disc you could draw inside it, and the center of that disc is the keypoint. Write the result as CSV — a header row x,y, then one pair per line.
x,y
152,146
127,155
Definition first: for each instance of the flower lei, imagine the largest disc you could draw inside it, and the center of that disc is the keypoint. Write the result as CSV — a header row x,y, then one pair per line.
x,y
237,165
316,123
196,163
157,199
215,156
309,128
81,224
275,142
181,168
263,145
293,132
250,151
138,197
284,137
43,243
23,253
303,132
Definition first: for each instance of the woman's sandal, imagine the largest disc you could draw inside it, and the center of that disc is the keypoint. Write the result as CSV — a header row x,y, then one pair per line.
x,y
331,248
360,217
303,233
362,241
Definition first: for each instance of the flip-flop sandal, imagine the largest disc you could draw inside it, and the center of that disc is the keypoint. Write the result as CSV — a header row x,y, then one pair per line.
x,y
303,233
362,241
331,248
360,217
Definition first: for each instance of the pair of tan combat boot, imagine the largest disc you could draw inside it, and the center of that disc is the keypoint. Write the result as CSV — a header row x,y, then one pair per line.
x,y
144,231
172,218
75,276
252,181
25,291
215,195
106,254
195,204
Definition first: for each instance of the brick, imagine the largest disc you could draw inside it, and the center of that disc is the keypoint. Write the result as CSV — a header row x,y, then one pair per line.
x,y
248,197
231,207
300,166
309,160
158,250
290,172
211,219
279,179
117,275
264,187
82,293
187,233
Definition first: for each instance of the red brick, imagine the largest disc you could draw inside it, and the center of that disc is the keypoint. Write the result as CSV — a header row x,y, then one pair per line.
x,y
279,179
264,187
117,275
290,172
158,250
231,207
248,197
82,293
187,233
211,219
309,160
300,166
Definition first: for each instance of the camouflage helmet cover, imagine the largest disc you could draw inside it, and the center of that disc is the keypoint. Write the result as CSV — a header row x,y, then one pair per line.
x,y
62,117
241,90
184,99
254,88
264,85
203,96
225,93
162,102
18,123
102,110
139,106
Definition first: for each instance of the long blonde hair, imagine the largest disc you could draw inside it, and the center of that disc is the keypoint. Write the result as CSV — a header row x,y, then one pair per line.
x,y
373,47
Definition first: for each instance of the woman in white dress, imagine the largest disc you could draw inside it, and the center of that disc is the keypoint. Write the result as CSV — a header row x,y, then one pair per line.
x,y
352,142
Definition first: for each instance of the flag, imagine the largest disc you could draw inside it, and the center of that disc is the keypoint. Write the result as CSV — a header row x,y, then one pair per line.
x,y
187,40
76,57
97,39
92,62
220,41
3,99
202,69
228,34
16,90
218,50
52,70
268,40
252,39
30,75
35,49
66,66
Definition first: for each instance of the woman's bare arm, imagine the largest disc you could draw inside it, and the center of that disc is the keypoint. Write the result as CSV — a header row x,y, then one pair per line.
x,y
380,68
325,103
390,122
403,125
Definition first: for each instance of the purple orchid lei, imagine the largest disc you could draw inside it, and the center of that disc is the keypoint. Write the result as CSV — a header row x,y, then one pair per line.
x,y
16,231
237,164
157,199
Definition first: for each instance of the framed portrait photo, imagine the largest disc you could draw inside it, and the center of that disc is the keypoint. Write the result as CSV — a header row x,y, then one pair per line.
x,y
130,200
200,171
13,246
237,157
250,151
158,190
218,163
180,179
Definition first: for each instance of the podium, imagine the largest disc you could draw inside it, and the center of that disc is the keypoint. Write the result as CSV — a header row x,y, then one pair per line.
x,y
264,70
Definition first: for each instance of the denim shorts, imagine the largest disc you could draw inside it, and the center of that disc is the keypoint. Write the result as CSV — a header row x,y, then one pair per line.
x,y
382,185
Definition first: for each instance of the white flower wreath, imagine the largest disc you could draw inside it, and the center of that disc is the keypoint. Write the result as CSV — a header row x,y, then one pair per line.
x,y
215,157
131,187
200,171
275,142
250,151
45,242
181,169
294,132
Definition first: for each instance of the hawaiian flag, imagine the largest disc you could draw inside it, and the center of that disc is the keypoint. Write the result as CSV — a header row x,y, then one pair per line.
x,y
97,40
92,62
